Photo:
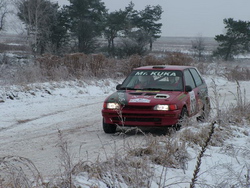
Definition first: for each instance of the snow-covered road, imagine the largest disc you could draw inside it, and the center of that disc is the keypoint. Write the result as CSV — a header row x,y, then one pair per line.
x,y
29,127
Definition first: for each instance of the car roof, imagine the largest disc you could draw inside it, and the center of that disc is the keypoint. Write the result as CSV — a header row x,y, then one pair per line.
x,y
163,67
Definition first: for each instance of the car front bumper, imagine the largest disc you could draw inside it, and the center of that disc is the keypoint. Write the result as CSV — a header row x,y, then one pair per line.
x,y
141,118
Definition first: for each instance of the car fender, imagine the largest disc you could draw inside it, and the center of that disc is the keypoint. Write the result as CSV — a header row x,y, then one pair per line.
x,y
184,101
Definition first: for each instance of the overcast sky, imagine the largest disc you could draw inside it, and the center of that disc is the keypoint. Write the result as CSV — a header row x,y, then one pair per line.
x,y
190,18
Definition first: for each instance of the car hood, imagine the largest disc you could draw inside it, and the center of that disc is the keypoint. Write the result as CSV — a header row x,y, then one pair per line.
x,y
144,97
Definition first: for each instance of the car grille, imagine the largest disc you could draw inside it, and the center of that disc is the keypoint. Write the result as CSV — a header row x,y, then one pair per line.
x,y
135,119
131,107
135,113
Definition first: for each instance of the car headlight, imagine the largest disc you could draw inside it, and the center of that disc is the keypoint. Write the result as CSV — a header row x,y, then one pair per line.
x,y
113,105
161,107
165,107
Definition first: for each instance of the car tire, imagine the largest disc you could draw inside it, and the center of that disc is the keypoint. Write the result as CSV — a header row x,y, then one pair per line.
x,y
205,112
108,128
182,119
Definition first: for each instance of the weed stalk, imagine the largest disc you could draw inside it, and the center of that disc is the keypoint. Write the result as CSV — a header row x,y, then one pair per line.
x,y
203,149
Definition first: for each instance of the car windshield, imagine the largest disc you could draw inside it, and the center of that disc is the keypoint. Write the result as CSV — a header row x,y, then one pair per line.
x,y
167,80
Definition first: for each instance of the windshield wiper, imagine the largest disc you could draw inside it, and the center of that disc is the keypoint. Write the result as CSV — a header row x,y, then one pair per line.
x,y
159,89
150,88
127,88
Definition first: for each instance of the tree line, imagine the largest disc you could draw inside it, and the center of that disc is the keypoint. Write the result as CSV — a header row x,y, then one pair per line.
x,y
86,26
83,25
235,41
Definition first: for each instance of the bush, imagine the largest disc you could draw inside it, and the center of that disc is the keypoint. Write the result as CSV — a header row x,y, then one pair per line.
x,y
237,73
79,65
177,58
19,172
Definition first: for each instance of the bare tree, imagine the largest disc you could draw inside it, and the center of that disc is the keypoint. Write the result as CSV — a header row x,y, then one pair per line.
x,y
198,45
135,42
3,13
37,17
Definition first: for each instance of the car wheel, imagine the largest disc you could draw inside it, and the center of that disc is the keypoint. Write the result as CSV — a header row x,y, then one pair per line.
x,y
205,112
182,119
108,128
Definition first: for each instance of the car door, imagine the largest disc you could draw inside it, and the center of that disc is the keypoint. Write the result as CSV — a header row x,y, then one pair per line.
x,y
201,88
193,101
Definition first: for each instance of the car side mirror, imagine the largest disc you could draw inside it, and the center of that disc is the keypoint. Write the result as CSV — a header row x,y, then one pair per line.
x,y
188,88
118,87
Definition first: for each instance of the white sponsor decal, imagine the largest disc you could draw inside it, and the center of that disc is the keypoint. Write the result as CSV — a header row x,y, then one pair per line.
x,y
140,97
141,100
155,73
192,102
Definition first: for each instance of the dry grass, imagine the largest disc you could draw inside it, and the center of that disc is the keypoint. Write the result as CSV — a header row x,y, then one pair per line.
x,y
237,73
79,66
177,58
66,162
19,172
134,167
194,137
118,171
8,47
163,150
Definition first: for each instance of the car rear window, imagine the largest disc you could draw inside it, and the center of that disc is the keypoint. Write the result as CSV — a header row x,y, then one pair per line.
x,y
197,77
189,79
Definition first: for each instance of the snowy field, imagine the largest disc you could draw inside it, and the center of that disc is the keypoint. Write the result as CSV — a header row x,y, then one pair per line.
x,y
31,122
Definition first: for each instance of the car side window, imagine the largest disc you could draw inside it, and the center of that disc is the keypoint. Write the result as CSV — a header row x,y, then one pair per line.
x,y
197,77
189,79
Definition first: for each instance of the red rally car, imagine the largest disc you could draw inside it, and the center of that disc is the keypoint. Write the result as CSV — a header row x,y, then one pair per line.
x,y
156,96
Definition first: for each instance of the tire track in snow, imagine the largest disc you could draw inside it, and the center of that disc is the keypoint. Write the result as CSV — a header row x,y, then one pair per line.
x,y
20,122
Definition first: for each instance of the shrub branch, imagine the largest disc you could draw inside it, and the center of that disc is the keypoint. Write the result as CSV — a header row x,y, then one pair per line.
x,y
203,149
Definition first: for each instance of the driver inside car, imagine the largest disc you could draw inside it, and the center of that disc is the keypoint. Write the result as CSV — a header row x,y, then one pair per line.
x,y
144,82
174,81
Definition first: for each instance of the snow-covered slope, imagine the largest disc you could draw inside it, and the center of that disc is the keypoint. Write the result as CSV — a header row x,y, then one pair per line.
x,y
31,122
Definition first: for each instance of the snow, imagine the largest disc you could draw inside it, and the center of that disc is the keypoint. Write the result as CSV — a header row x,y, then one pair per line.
x,y
30,124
